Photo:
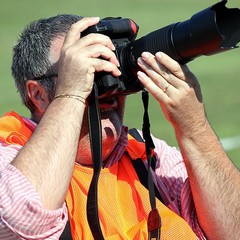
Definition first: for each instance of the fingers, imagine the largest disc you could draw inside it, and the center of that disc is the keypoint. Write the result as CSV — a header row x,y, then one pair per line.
x,y
173,86
166,73
165,78
81,57
93,51
153,88
78,27
154,71
171,67
74,34
162,69
98,45
100,65
154,76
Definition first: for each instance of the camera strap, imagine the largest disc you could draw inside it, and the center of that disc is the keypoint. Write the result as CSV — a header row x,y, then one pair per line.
x,y
95,135
154,219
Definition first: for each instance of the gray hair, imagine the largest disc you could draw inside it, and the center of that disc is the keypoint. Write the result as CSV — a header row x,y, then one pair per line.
x,y
31,54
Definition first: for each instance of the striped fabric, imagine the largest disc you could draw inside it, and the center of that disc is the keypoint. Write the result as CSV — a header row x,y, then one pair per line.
x,y
23,217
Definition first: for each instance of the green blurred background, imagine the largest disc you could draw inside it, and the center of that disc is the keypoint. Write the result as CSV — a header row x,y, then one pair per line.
x,y
218,74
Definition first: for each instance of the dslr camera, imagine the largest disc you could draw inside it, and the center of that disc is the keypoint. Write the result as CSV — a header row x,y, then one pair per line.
x,y
210,31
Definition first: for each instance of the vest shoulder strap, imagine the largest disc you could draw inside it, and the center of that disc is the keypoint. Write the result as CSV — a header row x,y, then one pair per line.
x,y
139,166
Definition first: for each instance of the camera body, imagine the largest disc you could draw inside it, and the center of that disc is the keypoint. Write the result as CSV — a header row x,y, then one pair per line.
x,y
212,30
121,31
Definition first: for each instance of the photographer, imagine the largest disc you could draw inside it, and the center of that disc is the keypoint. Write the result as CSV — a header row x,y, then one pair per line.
x,y
46,161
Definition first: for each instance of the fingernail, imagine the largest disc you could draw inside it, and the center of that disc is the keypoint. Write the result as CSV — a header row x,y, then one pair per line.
x,y
145,55
141,74
158,55
140,61
96,18
118,64
113,48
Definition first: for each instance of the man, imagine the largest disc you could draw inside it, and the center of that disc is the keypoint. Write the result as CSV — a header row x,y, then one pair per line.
x,y
46,162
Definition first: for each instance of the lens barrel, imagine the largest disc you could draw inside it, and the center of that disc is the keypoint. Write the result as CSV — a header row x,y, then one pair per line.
x,y
210,31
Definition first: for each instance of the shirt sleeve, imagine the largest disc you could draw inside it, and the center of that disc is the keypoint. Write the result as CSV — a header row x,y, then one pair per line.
x,y
22,215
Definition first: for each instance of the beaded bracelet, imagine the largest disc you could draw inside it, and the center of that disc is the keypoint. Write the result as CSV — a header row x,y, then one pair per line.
x,y
78,97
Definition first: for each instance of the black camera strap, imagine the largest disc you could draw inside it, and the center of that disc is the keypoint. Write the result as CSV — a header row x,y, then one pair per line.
x,y
154,219
95,135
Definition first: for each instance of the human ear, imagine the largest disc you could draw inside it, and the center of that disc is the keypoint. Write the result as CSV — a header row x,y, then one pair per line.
x,y
38,94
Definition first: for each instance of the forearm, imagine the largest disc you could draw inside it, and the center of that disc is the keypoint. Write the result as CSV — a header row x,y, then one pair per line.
x,y
48,157
215,182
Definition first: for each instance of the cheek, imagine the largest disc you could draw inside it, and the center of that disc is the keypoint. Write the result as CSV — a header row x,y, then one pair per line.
x,y
84,151
111,131
110,138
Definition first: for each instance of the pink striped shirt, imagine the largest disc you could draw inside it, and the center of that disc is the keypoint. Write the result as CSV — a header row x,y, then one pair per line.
x,y
22,214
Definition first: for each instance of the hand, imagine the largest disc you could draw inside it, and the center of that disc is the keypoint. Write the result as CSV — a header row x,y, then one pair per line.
x,y
175,88
81,58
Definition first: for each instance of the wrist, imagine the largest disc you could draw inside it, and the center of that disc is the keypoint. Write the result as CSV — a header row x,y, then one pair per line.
x,y
193,129
72,96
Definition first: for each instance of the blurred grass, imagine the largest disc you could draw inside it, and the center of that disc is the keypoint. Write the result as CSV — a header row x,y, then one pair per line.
x,y
218,74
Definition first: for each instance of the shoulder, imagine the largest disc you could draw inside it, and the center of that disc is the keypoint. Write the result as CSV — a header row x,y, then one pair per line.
x,y
169,160
162,149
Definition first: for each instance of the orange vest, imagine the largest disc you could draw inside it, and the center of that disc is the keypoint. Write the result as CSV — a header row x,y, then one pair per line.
x,y
123,201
